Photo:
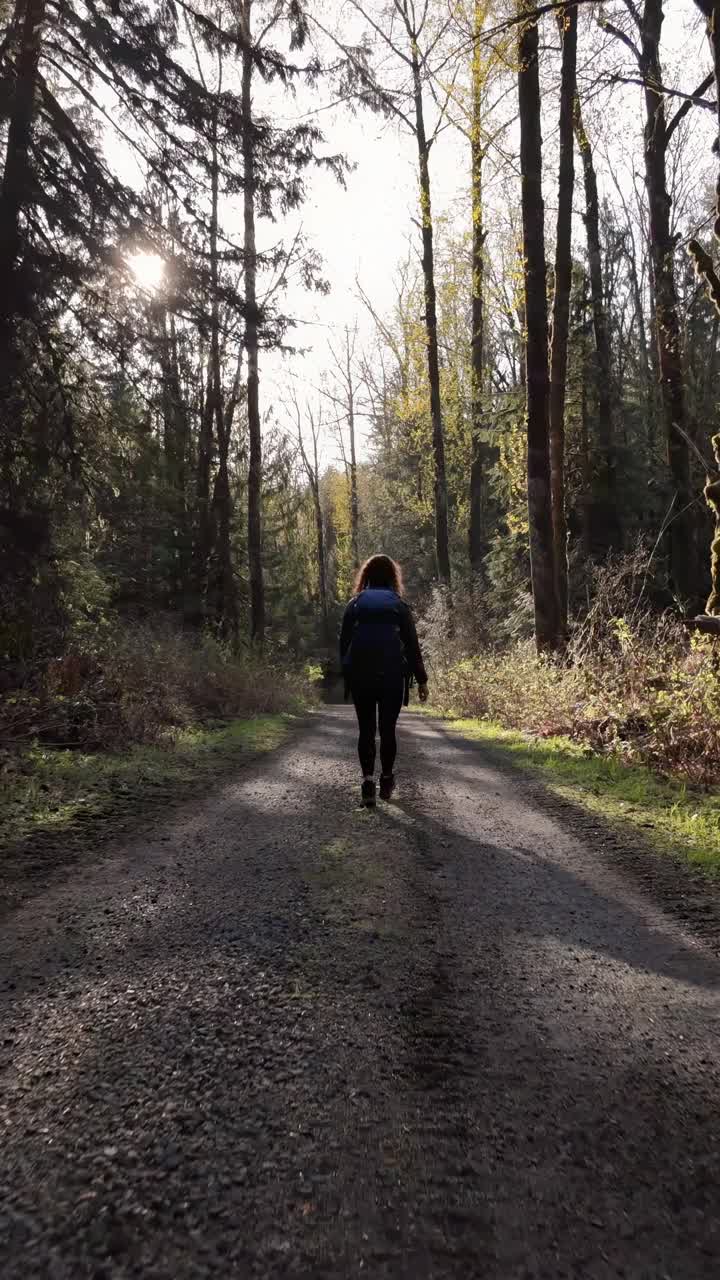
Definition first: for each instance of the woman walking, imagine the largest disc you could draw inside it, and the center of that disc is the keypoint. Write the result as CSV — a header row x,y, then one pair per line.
x,y
380,654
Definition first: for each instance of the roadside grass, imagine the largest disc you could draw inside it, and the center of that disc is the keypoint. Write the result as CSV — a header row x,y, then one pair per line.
x,y
675,817
50,793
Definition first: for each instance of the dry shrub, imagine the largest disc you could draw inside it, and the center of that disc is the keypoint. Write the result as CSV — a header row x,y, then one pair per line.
x,y
634,684
141,683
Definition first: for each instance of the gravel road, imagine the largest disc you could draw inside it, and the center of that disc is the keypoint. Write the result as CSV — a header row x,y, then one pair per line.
x,y
287,1037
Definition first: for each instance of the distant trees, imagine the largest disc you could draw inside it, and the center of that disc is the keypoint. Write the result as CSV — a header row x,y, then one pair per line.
x,y
412,37
148,197
172,90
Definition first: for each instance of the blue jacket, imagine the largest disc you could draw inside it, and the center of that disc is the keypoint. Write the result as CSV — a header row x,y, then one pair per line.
x,y
378,639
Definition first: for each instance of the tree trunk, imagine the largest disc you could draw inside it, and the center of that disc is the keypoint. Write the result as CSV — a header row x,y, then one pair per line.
x,y
644,348
428,265
225,605
480,453
320,535
312,471
567,20
683,552
322,571
15,193
605,524
542,560
712,497
15,188
175,450
225,593
257,588
354,504
585,463
203,512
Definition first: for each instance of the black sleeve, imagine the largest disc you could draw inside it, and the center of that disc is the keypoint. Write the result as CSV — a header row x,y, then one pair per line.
x,y
412,646
346,630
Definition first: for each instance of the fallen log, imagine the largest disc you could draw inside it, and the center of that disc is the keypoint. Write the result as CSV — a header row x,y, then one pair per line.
x,y
704,622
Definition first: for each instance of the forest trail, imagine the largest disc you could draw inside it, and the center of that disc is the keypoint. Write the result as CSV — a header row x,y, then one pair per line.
x,y
286,1037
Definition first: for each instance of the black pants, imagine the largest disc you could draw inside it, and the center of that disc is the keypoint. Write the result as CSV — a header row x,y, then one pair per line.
x,y
377,705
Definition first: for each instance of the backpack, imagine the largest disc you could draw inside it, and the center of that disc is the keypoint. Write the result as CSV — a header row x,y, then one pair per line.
x,y
376,650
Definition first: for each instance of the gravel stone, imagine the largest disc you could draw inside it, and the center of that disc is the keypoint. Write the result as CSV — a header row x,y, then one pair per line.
x,y
466,1035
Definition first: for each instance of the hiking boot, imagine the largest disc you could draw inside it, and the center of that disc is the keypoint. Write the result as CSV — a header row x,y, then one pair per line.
x,y
387,785
367,792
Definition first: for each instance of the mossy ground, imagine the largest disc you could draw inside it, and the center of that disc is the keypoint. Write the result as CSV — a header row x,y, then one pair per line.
x,y
59,794
674,817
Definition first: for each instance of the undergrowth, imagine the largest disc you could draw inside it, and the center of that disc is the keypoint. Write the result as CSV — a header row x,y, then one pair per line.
x,y
141,684
633,685
127,718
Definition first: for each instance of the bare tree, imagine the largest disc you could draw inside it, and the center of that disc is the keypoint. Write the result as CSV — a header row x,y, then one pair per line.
x,y
345,401
311,465
405,32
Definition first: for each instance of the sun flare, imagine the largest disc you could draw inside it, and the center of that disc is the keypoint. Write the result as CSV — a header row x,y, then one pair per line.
x,y
147,268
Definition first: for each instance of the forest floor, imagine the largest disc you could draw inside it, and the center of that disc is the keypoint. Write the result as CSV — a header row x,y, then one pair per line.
x,y
470,1034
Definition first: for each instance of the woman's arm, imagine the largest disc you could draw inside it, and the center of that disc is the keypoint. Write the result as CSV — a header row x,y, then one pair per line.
x,y
346,631
412,647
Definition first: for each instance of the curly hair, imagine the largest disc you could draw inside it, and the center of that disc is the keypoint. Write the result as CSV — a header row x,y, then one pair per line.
x,y
379,571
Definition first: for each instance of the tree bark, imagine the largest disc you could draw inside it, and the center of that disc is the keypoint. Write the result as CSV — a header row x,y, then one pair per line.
x,y
585,463
683,551
225,602
176,433
15,188
567,21
15,193
644,347
257,586
605,524
312,470
354,504
542,559
203,507
320,536
428,265
480,454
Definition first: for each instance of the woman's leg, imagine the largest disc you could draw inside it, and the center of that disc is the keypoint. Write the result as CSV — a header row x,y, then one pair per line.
x,y
391,700
365,705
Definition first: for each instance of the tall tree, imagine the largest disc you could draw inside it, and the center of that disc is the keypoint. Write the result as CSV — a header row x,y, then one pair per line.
x,y
542,558
481,454
668,326
16,189
567,20
257,591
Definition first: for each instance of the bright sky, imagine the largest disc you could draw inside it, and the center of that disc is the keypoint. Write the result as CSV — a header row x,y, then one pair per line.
x,y
365,230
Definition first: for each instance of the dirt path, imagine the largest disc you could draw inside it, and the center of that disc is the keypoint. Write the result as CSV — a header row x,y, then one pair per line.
x,y
290,1038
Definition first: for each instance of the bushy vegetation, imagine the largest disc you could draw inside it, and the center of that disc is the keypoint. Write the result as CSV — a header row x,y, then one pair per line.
x,y
129,716
127,684
633,685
